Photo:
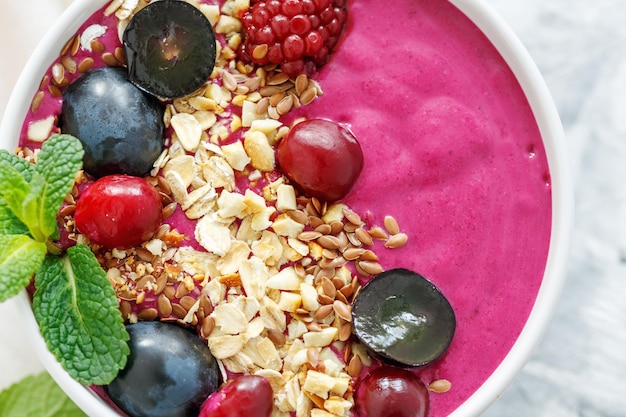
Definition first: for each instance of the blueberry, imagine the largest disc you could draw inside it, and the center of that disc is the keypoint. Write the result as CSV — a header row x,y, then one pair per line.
x,y
170,48
170,372
120,127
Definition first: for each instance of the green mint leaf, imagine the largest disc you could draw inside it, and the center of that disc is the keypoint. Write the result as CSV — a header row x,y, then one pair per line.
x,y
20,258
14,191
37,395
78,314
21,164
9,223
60,158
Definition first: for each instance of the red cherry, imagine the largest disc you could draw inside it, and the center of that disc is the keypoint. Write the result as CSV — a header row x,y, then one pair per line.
x,y
322,158
119,211
245,396
391,392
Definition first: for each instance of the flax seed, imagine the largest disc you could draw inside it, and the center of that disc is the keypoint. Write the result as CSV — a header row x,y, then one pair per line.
x,y
164,305
276,98
397,240
324,229
120,55
262,106
144,254
298,216
440,386
278,78
85,65
378,232
169,291
161,284
313,356
355,366
55,91
37,100
343,310
333,263
75,45
148,314
207,327
323,312
146,281
354,241
314,326
67,45
352,217
277,337
346,290
353,253
168,210
273,113
67,210
110,59
285,105
97,46
307,236
391,225
179,311
302,82
329,288
329,242
368,255
370,267
187,302
363,236
205,304
125,309
324,299
308,96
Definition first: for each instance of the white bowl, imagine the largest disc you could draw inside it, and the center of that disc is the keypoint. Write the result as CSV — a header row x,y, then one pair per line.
x,y
550,128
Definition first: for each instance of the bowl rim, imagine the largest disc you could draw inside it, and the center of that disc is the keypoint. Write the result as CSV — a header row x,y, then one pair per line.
x,y
546,115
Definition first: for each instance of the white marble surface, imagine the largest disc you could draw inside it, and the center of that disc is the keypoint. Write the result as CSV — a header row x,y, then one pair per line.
x,y
579,369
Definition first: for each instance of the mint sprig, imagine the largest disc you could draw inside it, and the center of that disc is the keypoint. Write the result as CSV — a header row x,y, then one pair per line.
x,y
86,316
37,395
74,302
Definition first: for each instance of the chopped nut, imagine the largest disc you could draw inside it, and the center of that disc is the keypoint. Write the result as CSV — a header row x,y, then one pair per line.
x,y
259,150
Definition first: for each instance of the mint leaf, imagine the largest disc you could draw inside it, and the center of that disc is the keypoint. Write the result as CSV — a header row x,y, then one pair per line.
x,y
60,158
21,164
78,314
37,395
20,258
9,223
14,191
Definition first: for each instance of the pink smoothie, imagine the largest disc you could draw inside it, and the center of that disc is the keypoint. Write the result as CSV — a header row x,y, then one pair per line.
x,y
453,152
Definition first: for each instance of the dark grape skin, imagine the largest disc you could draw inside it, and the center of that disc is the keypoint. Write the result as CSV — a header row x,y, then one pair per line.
x,y
170,49
121,127
170,372
403,318
392,392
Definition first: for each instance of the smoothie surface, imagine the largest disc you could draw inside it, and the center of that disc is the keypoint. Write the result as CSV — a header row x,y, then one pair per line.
x,y
453,152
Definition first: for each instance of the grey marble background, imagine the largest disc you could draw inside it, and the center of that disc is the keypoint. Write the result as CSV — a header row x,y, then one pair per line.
x,y
579,369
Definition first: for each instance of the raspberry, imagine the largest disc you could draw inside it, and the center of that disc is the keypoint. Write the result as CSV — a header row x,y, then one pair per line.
x,y
298,35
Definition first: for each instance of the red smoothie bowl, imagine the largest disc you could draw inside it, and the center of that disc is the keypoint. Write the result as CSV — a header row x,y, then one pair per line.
x,y
462,148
